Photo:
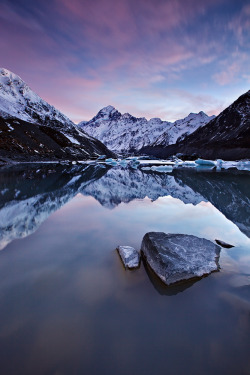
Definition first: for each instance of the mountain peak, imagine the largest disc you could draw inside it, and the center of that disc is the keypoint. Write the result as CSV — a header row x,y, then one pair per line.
x,y
17,99
108,108
4,72
107,113
6,76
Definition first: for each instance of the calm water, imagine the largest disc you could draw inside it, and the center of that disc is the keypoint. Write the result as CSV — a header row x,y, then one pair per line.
x,y
67,306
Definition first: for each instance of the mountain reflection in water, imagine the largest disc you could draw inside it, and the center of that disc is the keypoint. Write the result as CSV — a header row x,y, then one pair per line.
x,y
68,306
30,193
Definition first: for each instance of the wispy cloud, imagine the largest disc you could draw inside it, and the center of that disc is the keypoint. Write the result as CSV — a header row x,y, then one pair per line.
x,y
149,57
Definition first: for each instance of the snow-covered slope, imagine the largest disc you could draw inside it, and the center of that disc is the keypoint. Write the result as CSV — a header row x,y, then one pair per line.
x,y
52,134
18,100
181,128
227,136
126,133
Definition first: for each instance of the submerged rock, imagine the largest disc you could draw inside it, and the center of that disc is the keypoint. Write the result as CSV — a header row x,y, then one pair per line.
x,y
129,256
178,257
224,244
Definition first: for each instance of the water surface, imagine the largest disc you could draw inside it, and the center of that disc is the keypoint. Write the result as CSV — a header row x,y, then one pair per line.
x,y
69,307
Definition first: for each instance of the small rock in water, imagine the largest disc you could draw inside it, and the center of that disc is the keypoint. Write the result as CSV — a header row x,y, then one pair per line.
x,y
224,244
129,256
178,257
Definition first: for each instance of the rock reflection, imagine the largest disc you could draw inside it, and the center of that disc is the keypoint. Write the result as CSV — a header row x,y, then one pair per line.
x,y
163,289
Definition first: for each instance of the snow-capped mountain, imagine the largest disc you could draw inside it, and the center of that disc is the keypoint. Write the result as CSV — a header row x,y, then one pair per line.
x,y
125,133
18,100
30,126
227,136
181,128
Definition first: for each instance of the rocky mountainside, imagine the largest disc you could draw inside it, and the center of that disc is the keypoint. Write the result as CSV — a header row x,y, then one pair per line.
x,y
227,136
125,133
33,129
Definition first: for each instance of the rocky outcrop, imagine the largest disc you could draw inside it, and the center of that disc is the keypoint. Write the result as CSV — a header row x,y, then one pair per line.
x,y
179,257
224,244
129,256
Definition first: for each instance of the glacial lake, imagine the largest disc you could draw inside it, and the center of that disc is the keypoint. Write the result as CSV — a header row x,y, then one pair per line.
x,y
67,305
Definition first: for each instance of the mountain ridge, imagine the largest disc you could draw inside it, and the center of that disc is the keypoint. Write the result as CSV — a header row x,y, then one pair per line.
x,y
111,128
32,129
227,136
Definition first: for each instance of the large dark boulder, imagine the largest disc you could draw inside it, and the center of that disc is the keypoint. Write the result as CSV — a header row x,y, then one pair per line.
x,y
178,257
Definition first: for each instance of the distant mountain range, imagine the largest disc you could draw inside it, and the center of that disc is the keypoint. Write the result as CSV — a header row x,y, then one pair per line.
x,y
227,136
32,129
124,133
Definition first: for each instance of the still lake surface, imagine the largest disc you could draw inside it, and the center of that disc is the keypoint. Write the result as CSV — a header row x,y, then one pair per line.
x,y
67,305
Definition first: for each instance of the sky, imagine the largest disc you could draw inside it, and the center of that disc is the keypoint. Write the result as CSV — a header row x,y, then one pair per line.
x,y
151,58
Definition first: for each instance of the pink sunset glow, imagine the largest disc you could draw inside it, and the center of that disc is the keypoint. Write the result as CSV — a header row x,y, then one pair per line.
x,y
150,58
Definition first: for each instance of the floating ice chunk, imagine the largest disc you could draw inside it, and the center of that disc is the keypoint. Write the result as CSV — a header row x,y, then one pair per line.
x,y
111,161
219,162
129,256
162,168
205,162
230,164
134,164
123,162
132,158
187,163
244,165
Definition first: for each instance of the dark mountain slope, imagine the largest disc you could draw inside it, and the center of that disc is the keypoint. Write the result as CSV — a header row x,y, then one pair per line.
x,y
227,136
32,129
24,141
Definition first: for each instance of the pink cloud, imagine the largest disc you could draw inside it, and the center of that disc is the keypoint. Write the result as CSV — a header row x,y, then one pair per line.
x,y
121,52
228,75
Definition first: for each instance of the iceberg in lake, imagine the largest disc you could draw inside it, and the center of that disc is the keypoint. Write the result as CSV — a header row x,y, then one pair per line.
x,y
162,168
205,162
